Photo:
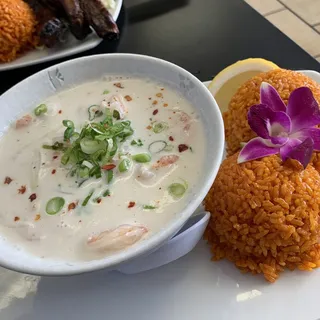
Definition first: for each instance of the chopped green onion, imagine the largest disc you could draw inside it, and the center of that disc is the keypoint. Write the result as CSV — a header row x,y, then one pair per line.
x,y
56,146
68,133
54,205
106,193
88,164
90,146
65,159
109,176
68,124
177,190
83,172
116,114
86,200
142,157
125,165
106,91
39,110
94,112
157,146
138,143
159,127
148,207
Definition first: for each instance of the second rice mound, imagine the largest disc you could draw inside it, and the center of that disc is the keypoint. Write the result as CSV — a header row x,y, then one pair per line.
x,y
265,216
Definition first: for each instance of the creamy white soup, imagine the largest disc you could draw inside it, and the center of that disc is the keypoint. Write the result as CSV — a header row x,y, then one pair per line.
x,y
98,168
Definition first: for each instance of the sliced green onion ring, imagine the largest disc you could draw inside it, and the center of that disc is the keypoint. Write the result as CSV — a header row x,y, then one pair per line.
x,y
159,127
110,176
125,165
54,205
177,190
157,146
94,112
90,146
39,110
86,200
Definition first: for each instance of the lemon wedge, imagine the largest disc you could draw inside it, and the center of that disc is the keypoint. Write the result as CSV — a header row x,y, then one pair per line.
x,y
225,84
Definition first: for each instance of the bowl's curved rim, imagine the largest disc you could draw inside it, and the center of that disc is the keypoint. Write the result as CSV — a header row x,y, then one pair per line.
x,y
160,237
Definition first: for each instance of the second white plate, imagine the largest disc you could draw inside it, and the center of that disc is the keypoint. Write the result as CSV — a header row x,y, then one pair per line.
x,y
68,48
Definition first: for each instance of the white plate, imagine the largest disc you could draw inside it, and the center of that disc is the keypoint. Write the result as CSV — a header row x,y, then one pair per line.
x,y
190,288
70,47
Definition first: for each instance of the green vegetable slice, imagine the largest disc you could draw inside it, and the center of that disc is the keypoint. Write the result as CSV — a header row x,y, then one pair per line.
x,y
39,110
94,112
149,207
142,157
54,205
159,127
177,190
125,165
86,200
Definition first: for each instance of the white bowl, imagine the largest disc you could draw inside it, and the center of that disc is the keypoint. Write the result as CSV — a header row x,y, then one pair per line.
x,y
33,90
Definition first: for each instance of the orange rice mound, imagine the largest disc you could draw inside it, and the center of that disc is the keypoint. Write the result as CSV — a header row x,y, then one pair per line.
x,y
265,216
237,129
17,29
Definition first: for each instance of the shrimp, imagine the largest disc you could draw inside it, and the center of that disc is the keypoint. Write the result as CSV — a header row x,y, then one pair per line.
x,y
117,239
117,103
24,121
144,173
166,161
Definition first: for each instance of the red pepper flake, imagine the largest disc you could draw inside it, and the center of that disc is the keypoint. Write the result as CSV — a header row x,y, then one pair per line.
x,y
71,206
183,147
159,95
22,189
108,166
149,98
162,89
149,127
155,112
118,85
60,111
128,98
55,157
131,204
165,105
16,219
37,217
171,138
7,180
33,197
99,200
80,221
154,102
53,171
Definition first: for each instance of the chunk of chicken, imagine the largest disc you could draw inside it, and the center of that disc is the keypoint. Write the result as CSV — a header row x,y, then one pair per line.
x,y
24,121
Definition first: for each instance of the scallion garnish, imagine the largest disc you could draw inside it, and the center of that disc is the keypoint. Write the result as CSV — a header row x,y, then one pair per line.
x,y
137,143
94,112
106,193
116,114
70,129
106,91
86,200
142,157
149,207
109,176
157,146
39,110
57,146
177,190
159,127
124,165
54,205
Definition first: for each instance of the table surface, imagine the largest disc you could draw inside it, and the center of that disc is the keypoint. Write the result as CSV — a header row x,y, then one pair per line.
x,y
202,36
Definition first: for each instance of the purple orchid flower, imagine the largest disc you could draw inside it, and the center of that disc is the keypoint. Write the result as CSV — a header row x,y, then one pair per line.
x,y
289,130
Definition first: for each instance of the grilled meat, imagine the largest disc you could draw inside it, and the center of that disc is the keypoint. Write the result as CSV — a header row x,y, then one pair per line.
x,y
100,19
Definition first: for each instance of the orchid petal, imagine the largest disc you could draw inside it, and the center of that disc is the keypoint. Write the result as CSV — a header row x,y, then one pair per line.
x,y
300,151
303,109
270,97
279,141
267,123
255,149
313,133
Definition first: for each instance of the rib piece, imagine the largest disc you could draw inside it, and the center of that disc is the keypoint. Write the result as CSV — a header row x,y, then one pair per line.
x,y
100,19
72,12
